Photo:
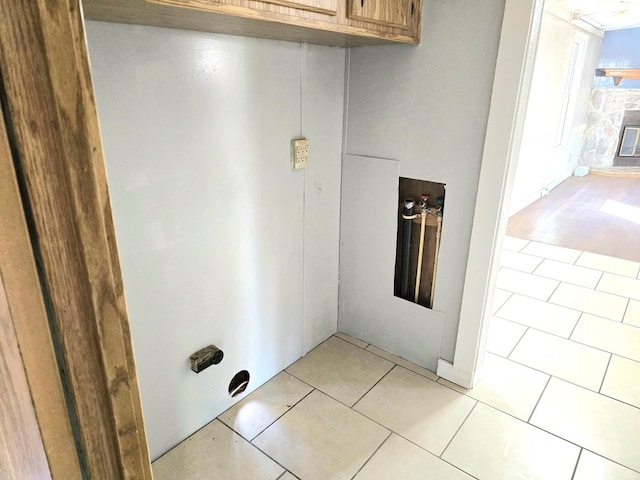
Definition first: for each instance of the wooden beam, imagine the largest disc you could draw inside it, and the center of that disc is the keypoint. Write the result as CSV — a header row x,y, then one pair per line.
x,y
619,74
51,115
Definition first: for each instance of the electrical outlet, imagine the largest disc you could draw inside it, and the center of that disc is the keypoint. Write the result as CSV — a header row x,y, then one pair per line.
x,y
299,153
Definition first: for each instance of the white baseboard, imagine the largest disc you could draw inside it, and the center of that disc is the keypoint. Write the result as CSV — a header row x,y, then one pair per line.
x,y
447,371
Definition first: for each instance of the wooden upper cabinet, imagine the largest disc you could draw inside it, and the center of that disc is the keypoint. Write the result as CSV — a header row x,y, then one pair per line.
x,y
326,7
394,13
344,23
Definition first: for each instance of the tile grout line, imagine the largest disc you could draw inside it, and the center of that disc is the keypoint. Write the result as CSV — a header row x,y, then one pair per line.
x,y
513,416
408,440
578,257
342,340
407,368
534,298
618,322
607,351
533,425
315,388
619,401
586,288
517,343
429,451
601,291
366,349
566,281
544,373
457,467
540,277
570,382
574,327
581,447
598,284
520,419
370,419
288,410
348,341
538,401
625,311
572,442
372,455
284,473
444,450
374,385
599,280
554,291
606,370
539,329
575,468
612,461
258,448
496,310
411,441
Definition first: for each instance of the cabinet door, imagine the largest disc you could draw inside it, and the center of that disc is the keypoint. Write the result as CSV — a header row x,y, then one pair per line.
x,y
395,13
328,7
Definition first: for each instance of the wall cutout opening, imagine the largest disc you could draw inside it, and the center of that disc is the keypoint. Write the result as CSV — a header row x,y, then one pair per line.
x,y
239,383
420,213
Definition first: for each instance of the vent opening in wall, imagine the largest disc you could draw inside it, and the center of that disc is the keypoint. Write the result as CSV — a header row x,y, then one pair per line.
x,y
239,383
420,213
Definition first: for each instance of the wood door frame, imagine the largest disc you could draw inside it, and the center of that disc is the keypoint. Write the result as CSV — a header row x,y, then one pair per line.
x,y
52,125
32,398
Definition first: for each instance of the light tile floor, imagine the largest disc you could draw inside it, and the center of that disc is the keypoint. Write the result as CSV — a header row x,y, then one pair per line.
x,y
560,397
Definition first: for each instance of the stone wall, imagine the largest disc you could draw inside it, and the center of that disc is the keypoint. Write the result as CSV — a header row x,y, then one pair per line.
x,y
606,110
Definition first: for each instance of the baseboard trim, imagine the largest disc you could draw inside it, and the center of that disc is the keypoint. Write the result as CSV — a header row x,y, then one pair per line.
x,y
447,371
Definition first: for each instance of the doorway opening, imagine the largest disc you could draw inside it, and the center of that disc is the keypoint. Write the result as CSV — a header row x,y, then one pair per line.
x,y
569,238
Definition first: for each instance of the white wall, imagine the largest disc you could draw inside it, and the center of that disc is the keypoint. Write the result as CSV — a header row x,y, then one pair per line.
x,y
426,108
220,241
542,165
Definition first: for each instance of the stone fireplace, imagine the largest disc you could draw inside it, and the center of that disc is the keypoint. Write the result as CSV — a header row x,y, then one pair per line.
x,y
604,131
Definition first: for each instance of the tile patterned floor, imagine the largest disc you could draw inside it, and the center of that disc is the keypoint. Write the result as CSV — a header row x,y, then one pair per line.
x,y
560,398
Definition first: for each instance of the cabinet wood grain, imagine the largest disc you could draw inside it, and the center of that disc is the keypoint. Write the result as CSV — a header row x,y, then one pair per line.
x,y
395,13
326,7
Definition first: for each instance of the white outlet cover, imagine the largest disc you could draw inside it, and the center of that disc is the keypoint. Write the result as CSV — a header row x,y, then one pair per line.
x,y
299,153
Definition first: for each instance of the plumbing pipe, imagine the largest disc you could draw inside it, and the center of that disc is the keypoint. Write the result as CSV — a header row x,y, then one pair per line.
x,y
406,246
423,222
435,260
439,212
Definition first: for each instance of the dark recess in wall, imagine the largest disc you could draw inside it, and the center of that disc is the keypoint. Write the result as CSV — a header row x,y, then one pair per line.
x,y
409,188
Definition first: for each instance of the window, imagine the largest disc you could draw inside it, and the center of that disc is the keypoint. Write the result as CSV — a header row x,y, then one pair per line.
x,y
571,88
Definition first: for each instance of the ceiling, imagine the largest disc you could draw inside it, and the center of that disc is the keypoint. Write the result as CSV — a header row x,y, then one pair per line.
x,y
602,14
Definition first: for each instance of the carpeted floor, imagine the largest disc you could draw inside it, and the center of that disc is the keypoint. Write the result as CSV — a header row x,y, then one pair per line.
x,y
596,213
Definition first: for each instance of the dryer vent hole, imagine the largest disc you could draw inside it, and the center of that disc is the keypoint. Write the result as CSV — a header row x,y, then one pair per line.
x,y
239,383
